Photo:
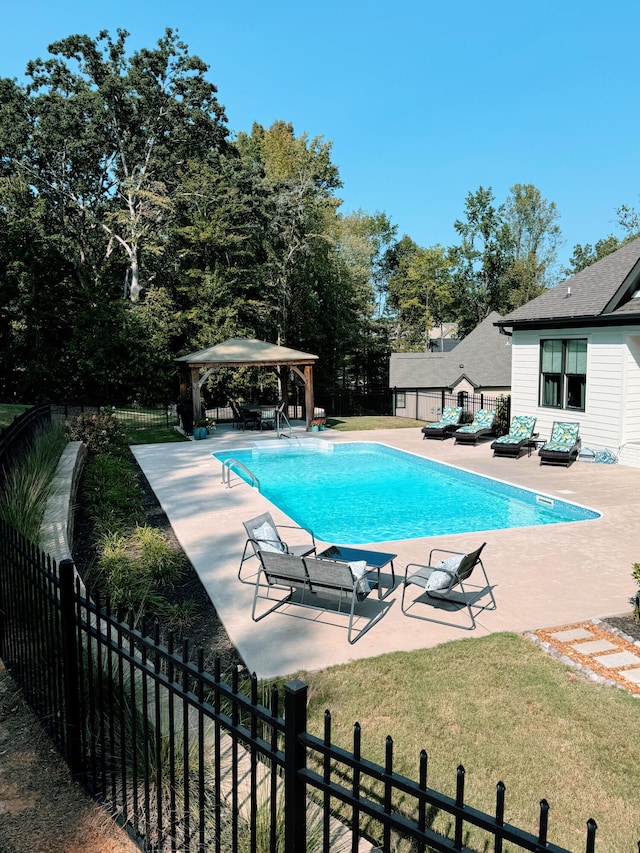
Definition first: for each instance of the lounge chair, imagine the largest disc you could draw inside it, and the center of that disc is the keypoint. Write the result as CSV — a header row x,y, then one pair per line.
x,y
481,425
447,424
309,582
264,534
519,437
447,580
563,446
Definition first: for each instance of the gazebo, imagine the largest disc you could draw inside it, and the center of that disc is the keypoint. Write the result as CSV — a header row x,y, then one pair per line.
x,y
241,352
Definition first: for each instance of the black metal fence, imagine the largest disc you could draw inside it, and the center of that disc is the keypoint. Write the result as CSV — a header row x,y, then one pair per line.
x,y
14,437
188,762
428,405
347,403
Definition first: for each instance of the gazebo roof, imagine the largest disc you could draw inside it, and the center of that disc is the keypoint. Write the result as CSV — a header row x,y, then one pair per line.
x,y
242,351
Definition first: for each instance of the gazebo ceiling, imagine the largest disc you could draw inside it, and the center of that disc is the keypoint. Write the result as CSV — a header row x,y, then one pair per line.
x,y
238,352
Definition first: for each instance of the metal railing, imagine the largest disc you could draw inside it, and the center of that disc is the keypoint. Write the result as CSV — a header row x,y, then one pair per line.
x,y
187,761
230,463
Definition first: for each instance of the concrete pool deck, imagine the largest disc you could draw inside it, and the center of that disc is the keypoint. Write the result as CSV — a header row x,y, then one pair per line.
x,y
542,577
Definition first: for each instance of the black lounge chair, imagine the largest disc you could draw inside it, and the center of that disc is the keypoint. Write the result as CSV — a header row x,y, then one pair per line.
x,y
563,446
520,436
481,425
447,580
447,424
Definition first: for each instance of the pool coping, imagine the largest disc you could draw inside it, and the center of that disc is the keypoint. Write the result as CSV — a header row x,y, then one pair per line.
x,y
543,576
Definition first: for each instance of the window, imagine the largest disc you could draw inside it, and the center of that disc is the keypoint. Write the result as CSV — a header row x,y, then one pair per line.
x,y
401,400
563,373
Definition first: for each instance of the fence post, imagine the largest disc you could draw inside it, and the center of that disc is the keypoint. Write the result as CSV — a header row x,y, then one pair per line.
x,y
295,760
70,669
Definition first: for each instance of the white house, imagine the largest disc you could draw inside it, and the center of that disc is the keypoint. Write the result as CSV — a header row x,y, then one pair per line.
x,y
576,355
480,364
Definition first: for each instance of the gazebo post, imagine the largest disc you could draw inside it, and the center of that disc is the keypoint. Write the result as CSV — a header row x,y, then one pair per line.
x,y
195,393
308,392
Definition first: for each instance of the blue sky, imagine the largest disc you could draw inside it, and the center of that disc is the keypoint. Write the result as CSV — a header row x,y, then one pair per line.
x,y
422,101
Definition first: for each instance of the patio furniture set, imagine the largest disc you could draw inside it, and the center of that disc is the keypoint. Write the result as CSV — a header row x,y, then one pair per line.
x,y
297,574
562,448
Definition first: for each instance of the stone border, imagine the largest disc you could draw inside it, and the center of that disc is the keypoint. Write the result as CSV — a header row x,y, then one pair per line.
x,y
56,530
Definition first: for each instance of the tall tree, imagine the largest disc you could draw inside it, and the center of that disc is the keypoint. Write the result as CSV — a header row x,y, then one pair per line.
x,y
481,259
419,293
107,137
534,235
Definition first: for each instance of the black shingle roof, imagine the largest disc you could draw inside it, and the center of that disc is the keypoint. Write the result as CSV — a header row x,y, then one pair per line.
x,y
602,289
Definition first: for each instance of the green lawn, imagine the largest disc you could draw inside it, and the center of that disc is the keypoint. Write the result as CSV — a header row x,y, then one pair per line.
x,y
9,411
508,712
372,422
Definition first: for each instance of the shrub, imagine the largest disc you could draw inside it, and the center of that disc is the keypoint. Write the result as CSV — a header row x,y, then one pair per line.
x,y
635,574
134,564
111,493
100,431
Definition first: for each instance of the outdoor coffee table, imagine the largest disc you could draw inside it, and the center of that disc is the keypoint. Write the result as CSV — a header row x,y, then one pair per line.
x,y
375,560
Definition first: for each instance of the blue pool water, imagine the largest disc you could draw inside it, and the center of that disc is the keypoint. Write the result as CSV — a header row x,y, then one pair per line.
x,y
361,492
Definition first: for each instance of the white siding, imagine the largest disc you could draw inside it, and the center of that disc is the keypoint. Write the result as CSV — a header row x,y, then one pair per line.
x,y
612,414
631,400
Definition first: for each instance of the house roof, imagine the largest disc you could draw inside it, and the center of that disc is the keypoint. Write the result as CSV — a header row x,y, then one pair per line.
x,y
483,357
241,351
602,292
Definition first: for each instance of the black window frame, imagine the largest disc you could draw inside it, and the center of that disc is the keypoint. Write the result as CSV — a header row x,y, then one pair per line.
x,y
563,385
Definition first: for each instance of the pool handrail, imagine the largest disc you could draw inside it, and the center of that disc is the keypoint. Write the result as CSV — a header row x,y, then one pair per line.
x,y
230,463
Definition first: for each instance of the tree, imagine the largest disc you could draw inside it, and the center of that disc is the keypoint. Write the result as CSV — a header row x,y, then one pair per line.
x,y
481,259
419,293
106,139
534,236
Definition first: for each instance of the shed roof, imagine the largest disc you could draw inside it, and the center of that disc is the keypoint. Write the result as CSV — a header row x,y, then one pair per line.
x,y
483,357
242,351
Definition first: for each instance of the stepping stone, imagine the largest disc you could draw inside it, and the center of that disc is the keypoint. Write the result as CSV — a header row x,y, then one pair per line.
x,y
594,646
618,660
631,675
572,634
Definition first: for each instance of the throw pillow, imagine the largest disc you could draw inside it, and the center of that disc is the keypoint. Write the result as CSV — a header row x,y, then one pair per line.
x,y
359,572
268,539
439,579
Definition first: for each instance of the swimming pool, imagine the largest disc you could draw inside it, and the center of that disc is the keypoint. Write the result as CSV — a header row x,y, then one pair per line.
x,y
360,492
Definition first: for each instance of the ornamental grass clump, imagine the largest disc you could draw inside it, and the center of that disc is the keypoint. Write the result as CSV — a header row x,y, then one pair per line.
x,y
26,484
134,566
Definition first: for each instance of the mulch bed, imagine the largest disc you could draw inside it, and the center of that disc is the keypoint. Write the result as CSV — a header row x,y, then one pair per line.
x,y
206,630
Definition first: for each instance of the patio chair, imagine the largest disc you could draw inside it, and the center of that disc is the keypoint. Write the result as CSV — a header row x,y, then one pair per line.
x,y
309,582
481,425
519,437
264,534
268,418
563,446
447,580
446,426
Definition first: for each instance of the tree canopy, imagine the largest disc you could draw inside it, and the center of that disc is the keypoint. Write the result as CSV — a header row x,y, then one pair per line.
x,y
134,228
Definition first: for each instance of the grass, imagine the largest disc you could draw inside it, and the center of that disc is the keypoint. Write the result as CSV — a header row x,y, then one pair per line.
x,y
372,422
26,485
506,711
9,411
152,435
